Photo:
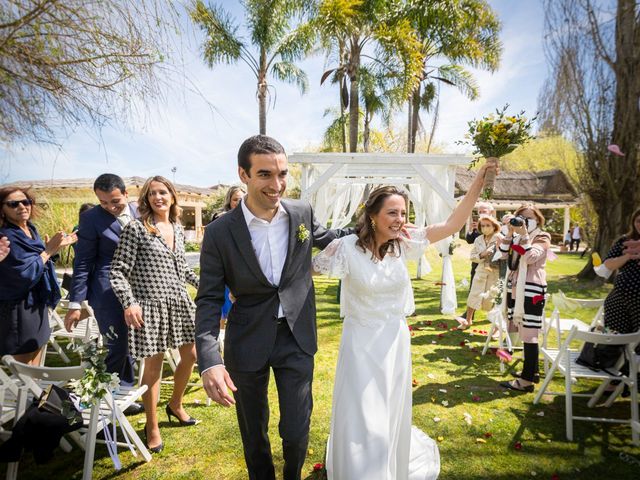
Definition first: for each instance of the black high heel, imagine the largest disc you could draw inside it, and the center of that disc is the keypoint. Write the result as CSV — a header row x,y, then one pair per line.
x,y
183,423
156,449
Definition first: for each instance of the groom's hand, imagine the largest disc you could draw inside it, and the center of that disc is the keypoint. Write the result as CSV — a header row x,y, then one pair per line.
x,y
217,383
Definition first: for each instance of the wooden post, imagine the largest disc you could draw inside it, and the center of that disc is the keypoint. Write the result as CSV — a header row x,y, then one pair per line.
x,y
567,221
198,222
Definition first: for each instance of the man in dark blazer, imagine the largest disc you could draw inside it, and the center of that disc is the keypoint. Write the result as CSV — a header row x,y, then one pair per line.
x,y
262,251
98,236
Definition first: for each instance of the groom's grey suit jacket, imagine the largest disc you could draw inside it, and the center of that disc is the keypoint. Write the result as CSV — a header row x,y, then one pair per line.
x,y
227,258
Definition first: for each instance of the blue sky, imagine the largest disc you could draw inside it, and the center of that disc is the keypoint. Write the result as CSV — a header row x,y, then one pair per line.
x,y
184,132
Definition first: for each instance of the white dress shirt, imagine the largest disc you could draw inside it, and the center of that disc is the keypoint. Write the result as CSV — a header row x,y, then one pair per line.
x,y
270,241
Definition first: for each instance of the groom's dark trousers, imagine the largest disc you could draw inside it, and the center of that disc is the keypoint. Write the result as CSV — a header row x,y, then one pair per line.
x,y
293,372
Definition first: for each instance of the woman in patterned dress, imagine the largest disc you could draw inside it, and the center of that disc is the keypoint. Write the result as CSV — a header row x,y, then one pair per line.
x,y
148,275
622,305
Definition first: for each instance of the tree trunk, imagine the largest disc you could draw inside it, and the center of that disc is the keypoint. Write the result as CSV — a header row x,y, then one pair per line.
x,y
343,123
354,97
619,177
409,118
262,93
367,131
415,119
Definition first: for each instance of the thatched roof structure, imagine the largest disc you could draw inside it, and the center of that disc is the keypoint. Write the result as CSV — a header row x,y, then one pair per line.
x,y
546,187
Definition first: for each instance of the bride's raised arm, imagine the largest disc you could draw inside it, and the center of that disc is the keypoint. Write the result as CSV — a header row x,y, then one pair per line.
x,y
458,217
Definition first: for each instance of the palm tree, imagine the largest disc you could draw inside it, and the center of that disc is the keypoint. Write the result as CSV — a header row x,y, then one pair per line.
x,y
336,47
276,42
368,29
462,32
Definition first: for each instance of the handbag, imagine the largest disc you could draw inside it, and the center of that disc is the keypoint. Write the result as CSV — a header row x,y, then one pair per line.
x,y
600,357
58,401
54,399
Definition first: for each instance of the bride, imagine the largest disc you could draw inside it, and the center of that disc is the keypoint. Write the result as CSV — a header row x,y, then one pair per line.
x,y
371,436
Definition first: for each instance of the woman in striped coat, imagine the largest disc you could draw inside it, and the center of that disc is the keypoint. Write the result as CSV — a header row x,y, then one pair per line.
x,y
526,247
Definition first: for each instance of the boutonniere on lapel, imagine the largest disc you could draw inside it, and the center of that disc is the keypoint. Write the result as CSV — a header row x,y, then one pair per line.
x,y
303,233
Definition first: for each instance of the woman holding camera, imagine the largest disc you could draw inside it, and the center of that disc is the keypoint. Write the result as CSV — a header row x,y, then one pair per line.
x,y
487,274
526,247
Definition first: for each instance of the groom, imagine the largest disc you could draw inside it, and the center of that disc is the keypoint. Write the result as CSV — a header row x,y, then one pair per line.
x,y
262,251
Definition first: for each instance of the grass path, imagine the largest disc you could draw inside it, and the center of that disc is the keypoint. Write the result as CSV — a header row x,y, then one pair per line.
x,y
457,398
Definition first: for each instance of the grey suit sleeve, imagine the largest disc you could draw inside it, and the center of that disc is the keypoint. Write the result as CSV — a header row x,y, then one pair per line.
x,y
209,301
323,237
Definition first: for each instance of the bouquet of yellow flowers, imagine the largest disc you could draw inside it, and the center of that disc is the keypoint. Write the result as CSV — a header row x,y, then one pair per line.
x,y
495,136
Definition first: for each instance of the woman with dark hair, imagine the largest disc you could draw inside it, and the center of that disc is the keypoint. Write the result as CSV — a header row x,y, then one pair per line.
x,y
371,434
231,200
622,305
28,284
148,275
526,247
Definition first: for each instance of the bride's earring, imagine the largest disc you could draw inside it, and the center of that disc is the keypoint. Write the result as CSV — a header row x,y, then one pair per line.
x,y
373,225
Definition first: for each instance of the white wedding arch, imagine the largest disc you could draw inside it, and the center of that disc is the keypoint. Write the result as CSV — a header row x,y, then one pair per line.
x,y
334,184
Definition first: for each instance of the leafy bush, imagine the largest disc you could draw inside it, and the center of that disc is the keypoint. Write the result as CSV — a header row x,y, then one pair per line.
x,y
191,247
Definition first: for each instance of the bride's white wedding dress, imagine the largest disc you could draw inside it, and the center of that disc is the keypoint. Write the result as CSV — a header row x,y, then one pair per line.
x,y
371,435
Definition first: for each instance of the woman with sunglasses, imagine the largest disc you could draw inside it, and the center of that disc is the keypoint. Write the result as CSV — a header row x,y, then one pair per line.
x,y
28,284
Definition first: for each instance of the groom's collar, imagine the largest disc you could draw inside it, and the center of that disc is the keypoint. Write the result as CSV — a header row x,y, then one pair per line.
x,y
249,217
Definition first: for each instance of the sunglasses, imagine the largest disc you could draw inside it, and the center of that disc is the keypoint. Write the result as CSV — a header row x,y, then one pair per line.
x,y
27,202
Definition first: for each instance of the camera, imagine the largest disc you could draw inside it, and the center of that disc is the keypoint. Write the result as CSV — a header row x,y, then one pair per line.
x,y
518,221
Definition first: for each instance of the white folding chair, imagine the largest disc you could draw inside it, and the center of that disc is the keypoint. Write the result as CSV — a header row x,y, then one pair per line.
x,y
603,388
564,325
85,331
35,378
498,324
564,362
9,390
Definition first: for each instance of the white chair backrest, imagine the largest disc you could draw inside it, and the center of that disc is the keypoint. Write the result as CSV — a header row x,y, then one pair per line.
x,y
608,338
588,302
55,321
49,374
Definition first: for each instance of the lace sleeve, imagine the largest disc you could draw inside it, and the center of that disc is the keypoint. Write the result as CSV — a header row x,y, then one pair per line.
x,y
413,248
332,260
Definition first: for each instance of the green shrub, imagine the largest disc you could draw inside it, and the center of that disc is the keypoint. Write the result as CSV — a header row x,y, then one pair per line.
x,y
191,247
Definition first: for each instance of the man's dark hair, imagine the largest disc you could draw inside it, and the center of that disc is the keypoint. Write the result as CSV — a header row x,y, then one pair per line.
x,y
258,144
108,182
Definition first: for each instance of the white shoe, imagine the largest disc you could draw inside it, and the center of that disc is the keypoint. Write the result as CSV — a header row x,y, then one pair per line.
x,y
462,321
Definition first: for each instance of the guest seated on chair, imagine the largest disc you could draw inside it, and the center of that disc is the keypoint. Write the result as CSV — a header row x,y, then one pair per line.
x,y
28,283
622,305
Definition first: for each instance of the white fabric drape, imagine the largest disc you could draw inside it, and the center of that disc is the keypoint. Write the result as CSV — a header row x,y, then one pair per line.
x,y
437,210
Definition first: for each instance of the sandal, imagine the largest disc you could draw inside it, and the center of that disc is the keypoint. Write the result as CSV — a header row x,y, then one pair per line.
x,y
515,385
536,377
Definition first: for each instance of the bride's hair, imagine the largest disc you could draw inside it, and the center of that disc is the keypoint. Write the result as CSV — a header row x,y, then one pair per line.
x,y
364,228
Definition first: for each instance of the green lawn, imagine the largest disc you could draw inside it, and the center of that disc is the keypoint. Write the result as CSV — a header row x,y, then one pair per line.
x,y
482,448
